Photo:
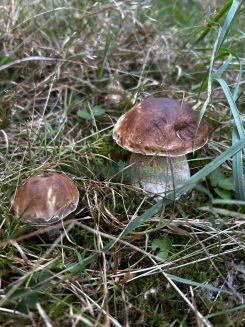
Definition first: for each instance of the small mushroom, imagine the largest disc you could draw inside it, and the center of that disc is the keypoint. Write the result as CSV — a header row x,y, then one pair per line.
x,y
160,132
45,199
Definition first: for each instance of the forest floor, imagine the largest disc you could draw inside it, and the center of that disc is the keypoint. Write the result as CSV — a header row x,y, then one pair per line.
x,y
69,70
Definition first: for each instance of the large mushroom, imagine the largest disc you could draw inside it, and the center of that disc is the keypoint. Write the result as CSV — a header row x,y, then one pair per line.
x,y
45,199
160,132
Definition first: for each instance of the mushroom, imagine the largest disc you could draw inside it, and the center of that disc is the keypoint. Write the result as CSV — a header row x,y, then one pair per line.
x,y
160,132
45,199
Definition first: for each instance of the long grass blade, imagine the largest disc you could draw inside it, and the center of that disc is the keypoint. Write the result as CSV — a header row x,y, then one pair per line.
x,y
237,168
228,202
227,24
225,312
186,187
238,82
233,107
196,284
214,21
223,67
238,133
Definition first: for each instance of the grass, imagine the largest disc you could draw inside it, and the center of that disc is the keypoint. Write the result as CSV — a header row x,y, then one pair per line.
x,y
69,69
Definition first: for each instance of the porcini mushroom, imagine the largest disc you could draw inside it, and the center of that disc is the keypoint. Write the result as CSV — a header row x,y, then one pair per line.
x,y
45,199
160,132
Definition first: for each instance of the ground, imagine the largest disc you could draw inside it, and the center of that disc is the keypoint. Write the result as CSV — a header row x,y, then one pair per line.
x,y
69,70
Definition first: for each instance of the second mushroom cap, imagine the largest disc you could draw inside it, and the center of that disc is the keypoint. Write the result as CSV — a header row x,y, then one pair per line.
x,y
46,198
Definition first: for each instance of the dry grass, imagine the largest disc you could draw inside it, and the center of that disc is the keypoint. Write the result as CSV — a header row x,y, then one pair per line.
x,y
68,71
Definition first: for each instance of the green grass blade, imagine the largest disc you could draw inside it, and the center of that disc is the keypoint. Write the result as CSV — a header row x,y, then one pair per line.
x,y
186,187
214,21
229,18
223,67
239,77
210,80
221,36
238,132
195,284
237,168
224,312
224,212
233,107
108,42
228,202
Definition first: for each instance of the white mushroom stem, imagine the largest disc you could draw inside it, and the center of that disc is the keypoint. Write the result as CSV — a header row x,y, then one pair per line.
x,y
159,175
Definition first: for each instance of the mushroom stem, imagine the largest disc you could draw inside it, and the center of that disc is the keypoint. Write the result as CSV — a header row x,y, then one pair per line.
x,y
159,175
52,234
49,235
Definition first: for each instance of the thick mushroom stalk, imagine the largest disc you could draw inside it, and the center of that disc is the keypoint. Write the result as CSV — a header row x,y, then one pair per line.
x,y
158,175
160,132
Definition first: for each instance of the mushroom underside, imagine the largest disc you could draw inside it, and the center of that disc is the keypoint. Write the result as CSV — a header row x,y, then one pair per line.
x,y
158,175
51,216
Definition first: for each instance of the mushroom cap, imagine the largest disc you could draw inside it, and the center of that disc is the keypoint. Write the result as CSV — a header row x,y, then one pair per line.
x,y
45,199
161,126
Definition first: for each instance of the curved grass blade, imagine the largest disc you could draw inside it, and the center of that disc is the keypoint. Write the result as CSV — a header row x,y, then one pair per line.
x,y
229,18
233,107
209,81
238,82
220,39
186,187
223,67
237,133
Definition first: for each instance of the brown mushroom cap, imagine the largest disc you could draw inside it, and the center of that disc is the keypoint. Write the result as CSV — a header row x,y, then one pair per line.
x,y
160,126
46,198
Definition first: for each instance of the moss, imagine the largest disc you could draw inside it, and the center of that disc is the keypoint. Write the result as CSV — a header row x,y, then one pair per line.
x,y
8,320
150,48
156,304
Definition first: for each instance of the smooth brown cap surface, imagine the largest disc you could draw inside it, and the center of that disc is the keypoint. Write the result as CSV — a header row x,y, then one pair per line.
x,y
160,126
46,198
